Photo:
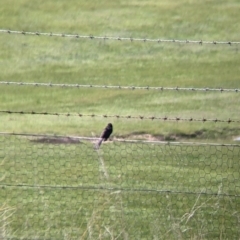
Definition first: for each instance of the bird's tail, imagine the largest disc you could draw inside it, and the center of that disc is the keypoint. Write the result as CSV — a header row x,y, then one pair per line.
x,y
99,143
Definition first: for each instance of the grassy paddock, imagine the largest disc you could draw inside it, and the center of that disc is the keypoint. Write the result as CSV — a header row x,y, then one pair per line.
x,y
89,209
64,60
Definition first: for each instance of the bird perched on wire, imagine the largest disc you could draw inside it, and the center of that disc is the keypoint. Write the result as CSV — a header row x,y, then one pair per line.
x,y
105,134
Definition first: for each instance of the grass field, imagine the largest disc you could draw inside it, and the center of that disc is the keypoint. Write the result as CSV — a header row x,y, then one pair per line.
x,y
64,60
107,194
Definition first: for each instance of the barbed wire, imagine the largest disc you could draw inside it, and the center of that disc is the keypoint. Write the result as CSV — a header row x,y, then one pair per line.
x,y
140,117
129,39
67,85
120,140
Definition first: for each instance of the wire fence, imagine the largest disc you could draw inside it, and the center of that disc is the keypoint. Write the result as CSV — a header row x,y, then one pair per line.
x,y
126,39
140,117
67,85
62,187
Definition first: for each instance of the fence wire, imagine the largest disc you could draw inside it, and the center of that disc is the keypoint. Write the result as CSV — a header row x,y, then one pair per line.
x,y
127,39
67,85
57,187
140,117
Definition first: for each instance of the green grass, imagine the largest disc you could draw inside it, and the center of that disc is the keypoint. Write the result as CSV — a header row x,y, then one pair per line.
x,y
101,213
65,60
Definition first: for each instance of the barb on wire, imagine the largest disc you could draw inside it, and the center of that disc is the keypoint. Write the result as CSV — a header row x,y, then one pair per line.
x,y
129,39
67,85
140,117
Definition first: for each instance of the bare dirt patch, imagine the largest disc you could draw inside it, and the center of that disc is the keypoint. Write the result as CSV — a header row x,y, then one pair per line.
x,y
56,140
169,137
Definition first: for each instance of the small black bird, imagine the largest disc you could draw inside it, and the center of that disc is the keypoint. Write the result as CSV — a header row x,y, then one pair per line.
x,y
105,134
